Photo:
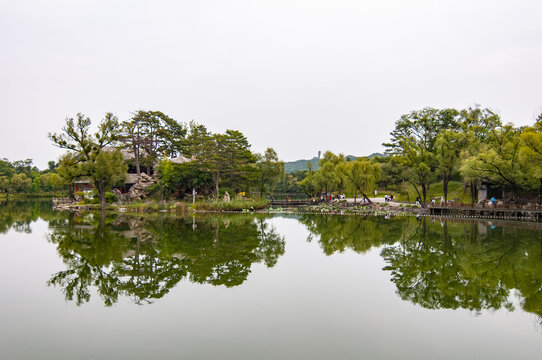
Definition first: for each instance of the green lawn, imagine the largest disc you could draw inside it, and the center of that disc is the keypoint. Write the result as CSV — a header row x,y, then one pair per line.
x,y
455,190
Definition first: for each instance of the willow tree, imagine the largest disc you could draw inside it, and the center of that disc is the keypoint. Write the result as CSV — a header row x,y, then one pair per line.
x,y
362,176
448,148
531,152
499,160
477,126
413,144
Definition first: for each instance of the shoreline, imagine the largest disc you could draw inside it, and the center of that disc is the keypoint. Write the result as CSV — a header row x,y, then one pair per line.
x,y
375,209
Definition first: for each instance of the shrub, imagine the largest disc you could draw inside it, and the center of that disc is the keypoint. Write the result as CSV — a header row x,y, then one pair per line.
x,y
110,197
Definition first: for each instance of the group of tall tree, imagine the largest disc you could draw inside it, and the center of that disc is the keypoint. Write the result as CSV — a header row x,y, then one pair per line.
x,y
21,177
471,145
150,141
342,174
220,160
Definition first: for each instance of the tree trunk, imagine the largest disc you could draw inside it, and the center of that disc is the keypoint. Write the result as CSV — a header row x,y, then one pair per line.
x,y
136,159
417,192
101,194
217,180
424,195
71,192
473,192
445,180
101,226
366,198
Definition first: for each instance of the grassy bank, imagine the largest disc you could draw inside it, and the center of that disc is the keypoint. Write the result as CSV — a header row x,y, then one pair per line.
x,y
455,190
234,205
150,206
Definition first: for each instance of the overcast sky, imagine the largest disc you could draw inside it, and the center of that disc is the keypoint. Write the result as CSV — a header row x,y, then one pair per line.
x,y
298,76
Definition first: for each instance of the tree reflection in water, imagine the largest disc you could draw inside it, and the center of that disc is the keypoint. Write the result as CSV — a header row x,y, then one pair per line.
x,y
433,263
144,258
446,264
18,215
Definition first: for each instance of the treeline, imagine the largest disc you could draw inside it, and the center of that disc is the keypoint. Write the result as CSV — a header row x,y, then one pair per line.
x,y
470,146
440,145
184,156
21,177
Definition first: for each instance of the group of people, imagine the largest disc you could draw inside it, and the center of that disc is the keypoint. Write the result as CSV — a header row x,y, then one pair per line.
x,y
388,198
332,197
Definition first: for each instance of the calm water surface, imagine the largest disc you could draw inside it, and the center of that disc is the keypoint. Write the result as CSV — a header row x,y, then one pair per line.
x,y
263,287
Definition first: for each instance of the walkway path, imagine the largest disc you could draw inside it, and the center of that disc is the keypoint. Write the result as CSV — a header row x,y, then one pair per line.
x,y
380,200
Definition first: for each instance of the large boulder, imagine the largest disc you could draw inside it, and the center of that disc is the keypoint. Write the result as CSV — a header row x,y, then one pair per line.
x,y
139,190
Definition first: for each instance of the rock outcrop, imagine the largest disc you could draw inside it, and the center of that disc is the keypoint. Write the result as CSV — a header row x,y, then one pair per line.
x,y
139,190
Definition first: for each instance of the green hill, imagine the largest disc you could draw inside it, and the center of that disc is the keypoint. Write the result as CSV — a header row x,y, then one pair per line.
x,y
300,165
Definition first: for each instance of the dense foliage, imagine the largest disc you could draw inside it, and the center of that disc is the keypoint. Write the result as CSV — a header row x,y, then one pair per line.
x,y
426,147
470,145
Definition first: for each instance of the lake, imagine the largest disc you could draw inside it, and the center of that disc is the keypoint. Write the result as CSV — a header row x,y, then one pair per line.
x,y
249,286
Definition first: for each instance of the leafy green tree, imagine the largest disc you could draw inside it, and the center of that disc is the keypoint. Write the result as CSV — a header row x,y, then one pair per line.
x,y
52,166
20,183
332,172
448,147
6,168
88,157
166,178
188,176
107,169
36,184
477,125
498,160
132,136
50,181
270,170
240,171
362,175
69,170
25,167
227,156
289,183
5,185
531,153
155,134
311,184
413,143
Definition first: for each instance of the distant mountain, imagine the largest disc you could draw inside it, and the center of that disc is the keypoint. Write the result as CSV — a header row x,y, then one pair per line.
x,y
373,155
300,165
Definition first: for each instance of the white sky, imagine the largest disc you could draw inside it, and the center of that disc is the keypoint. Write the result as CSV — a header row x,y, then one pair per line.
x,y
296,75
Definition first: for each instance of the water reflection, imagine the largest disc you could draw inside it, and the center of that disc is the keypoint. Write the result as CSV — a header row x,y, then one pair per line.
x,y
144,258
432,263
338,233
18,215
441,264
